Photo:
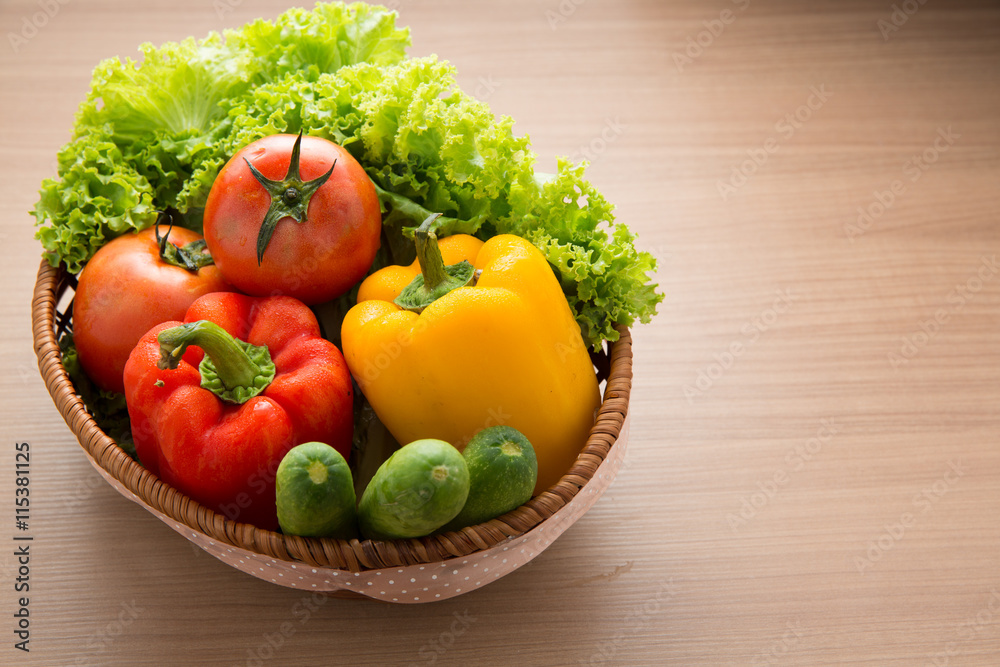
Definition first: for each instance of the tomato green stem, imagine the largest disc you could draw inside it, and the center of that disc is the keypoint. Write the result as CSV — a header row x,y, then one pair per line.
x,y
191,257
232,369
289,196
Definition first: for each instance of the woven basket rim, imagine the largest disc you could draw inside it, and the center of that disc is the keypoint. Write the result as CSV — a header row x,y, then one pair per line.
x,y
350,555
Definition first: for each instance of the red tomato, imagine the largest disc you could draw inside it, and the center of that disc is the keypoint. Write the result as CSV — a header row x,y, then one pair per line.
x,y
314,260
125,290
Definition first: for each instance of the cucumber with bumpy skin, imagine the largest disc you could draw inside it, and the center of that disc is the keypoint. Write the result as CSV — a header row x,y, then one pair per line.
x,y
421,487
315,494
502,475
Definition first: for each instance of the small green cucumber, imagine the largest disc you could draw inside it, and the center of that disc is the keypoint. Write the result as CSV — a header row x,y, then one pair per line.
x,y
418,489
315,493
502,475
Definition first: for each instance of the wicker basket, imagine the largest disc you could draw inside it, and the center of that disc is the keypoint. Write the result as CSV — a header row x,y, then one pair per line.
x,y
404,571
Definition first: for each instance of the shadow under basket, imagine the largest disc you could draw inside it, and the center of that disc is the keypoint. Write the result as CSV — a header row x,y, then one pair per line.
x,y
402,571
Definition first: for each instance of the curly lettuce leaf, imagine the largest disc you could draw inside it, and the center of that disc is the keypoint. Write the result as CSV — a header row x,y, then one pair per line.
x,y
425,139
98,196
173,90
164,112
605,278
331,36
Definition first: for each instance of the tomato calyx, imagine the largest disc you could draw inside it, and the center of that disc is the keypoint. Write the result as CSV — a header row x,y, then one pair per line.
x,y
289,197
191,257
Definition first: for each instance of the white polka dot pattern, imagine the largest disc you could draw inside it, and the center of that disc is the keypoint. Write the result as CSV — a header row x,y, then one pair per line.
x,y
411,584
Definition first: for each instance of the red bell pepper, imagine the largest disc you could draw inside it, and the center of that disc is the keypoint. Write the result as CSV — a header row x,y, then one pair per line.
x,y
215,419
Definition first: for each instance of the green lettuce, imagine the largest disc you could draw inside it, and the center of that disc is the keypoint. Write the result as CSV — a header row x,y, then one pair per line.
x,y
98,196
331,36
154,136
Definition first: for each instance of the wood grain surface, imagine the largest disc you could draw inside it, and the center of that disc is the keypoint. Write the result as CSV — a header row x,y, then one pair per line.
x,y
813,475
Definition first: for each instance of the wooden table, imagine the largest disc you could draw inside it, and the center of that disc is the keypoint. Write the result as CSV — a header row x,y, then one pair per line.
x,y
813,475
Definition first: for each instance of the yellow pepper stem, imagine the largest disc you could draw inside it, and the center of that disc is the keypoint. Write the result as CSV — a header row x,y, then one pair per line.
x,y
428,254
435,279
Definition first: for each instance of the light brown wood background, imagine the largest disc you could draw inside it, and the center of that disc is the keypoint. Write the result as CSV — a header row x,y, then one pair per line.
x,y
869,488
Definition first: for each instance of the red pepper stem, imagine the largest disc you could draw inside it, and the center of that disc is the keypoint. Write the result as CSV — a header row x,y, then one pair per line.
x,y
232,369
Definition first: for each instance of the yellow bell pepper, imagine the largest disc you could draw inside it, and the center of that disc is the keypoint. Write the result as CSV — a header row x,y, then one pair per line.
x,y
505,350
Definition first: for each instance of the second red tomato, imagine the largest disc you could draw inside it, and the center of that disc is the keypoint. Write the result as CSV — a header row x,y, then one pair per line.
x,y
279,221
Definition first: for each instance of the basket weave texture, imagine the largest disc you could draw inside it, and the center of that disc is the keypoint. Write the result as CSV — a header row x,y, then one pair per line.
x,y
52,286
